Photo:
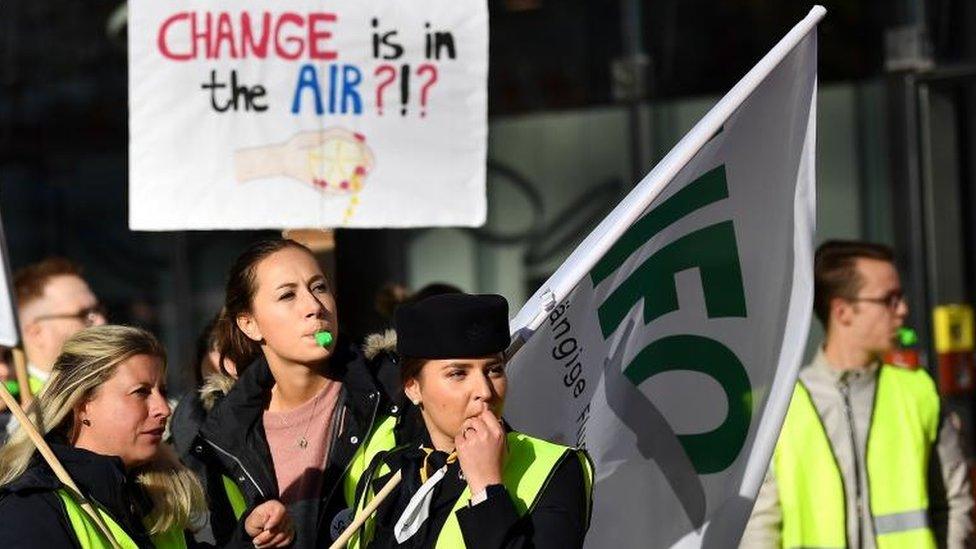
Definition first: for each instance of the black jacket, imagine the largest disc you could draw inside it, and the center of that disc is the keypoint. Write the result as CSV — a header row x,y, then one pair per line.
x,y
32,514
188,417
233,437
558,520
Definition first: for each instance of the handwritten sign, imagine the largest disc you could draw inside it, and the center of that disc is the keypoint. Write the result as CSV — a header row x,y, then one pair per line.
x,y
355,113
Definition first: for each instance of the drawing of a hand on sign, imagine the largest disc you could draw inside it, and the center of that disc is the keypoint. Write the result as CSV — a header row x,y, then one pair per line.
x,y
335,161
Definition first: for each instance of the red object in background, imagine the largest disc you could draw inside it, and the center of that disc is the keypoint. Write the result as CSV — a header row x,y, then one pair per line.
x,y
904,357
956,373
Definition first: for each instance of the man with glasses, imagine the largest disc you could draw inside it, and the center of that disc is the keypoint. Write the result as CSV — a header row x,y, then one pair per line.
x,y
866,458
53,304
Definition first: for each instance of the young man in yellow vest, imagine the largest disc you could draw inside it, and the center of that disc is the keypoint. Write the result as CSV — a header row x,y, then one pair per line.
x,y
866,458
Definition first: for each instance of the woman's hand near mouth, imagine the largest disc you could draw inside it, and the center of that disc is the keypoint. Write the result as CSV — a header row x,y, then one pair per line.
x,y
481,450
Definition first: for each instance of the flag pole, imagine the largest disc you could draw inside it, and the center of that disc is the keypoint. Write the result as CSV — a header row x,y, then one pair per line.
x,y
35,436
13,338
630,209
367,511
23,379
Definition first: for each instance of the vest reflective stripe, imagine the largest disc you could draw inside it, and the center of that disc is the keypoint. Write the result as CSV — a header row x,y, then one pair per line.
x,y
530,464
381,439
234,496
900,522
90,537
903,429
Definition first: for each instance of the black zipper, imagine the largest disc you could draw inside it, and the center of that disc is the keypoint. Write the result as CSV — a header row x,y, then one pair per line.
x,y
341,478
239,464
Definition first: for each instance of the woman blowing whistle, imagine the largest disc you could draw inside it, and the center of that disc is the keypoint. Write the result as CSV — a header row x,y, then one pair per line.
x,y
469,480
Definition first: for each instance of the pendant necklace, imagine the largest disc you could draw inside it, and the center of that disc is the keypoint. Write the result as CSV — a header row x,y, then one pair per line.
x,y
302,441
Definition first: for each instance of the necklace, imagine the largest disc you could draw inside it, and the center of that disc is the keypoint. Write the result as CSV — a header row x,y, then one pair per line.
x,y
302,441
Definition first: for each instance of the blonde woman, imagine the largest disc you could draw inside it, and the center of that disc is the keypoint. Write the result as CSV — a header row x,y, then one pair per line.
x,y
103,412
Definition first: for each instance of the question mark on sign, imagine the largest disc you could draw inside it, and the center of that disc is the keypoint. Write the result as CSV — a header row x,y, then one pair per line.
x,y
426,68
392,72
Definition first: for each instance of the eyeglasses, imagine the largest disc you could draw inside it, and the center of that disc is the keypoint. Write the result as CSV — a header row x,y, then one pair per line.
x,y
892,300
88,316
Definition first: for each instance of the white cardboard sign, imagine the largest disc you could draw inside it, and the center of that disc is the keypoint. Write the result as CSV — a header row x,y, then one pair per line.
x,y
301,113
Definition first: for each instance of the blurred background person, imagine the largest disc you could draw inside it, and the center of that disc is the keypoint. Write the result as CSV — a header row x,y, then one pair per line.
x,y
53,303
866,457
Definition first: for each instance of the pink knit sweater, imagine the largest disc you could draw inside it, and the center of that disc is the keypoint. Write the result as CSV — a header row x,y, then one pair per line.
x,y
299,442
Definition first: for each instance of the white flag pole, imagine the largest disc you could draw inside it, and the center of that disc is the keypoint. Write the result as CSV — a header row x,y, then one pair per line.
x,y
596,245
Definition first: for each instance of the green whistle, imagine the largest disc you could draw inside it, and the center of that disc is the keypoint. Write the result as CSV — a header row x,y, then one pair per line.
x,y
12,387
323,339
907,337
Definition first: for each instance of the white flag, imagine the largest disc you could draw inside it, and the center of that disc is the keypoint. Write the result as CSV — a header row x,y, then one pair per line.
x,y
669,342
9,335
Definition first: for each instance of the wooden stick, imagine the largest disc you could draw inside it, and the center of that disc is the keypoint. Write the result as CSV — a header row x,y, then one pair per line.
x,y
366,512
52,461
20,369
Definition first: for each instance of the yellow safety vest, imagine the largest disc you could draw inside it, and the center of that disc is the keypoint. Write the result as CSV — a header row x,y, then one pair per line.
x,y
381,439
903,429
531,462
35,384
90,537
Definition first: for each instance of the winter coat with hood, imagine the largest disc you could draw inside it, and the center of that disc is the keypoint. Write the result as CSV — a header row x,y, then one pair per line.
x,y
232,442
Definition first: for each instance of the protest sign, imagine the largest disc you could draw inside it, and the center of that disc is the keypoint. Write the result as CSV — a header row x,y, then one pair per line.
x,y
352,113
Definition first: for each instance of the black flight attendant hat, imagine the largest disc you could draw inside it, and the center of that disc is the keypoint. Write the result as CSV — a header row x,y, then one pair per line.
x,y
453,326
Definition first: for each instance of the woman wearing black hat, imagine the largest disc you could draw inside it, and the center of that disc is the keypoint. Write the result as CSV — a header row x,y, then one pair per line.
x,y
468,480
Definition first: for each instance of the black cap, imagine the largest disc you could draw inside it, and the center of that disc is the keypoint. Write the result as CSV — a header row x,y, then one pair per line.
x,y
453,326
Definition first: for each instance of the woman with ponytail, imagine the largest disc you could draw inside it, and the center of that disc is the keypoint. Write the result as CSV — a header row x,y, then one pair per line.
x,y
306,414
103,413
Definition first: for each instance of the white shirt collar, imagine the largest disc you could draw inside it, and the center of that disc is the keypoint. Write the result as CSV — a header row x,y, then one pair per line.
x,y
40,374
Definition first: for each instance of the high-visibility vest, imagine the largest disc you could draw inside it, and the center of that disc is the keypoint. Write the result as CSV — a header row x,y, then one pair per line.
x,y
381,439
904,427
35,384
90,537
531,462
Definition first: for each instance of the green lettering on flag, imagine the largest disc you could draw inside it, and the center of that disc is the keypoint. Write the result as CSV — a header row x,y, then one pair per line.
x,y
707,189
713,250
715,450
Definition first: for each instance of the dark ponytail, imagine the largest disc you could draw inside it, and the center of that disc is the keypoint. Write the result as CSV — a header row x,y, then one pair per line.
x,y
241,287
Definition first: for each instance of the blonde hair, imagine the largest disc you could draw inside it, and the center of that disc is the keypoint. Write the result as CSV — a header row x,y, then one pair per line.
x,y
87,360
